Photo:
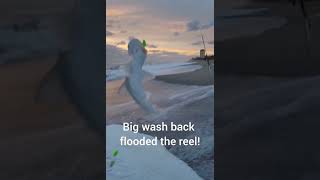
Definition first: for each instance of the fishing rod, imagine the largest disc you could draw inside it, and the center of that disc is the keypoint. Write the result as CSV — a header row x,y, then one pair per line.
x,y
206,55
307,22
206,58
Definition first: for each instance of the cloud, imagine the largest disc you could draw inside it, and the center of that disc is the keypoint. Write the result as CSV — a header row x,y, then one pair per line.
x,y
131,37
207,26
176,33
121,43
113,23
109,33
210,42
152,46
116,56
109,24
166,9
201,43
195,25
197,43
154,51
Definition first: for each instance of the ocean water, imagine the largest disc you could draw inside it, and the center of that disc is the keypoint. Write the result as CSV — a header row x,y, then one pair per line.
x,y
118,72
177,103
167,97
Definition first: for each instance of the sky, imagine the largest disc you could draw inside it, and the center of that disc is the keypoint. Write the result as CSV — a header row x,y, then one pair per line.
x,y
170,27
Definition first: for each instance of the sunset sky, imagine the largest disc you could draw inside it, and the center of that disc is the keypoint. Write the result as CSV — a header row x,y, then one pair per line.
x,y
168,26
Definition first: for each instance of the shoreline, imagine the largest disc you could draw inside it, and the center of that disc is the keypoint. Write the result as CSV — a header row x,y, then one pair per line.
x,y
201,77
180,111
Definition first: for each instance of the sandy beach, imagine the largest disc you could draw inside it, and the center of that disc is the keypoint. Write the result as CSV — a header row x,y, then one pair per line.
x,y
181,98
267,91
200,77
266,127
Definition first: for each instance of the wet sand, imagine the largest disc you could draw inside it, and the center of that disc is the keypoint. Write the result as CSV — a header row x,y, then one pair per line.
x,y
266,127
198,111
201,113
267,94
199,77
